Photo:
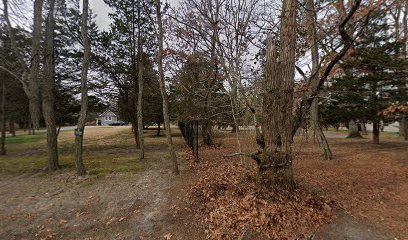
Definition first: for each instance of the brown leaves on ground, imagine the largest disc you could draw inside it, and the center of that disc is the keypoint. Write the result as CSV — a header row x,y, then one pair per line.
x,y
233,206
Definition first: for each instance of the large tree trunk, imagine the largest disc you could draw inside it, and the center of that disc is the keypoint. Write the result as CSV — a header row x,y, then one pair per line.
x,y
79,136
140,81
353,130
34,98
163,89
275,165
48,91
3,118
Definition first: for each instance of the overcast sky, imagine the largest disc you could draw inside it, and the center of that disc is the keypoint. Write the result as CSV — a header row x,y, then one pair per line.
x,y
102,11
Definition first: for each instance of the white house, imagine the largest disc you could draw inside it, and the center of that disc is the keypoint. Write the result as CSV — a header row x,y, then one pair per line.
x,y
106,118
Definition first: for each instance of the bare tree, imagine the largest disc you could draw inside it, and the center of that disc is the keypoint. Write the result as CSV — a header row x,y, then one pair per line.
x,y
29,77
140,80
163,88
314,118
48,88
79,133
275,164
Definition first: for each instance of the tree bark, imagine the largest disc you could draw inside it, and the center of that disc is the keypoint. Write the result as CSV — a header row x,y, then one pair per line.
x,y
34,98
403,131
275,166
79,136
321,138
158,128
48,88
12,128
163,89
3,118
376,131
353,130
314,111
140,81
29,78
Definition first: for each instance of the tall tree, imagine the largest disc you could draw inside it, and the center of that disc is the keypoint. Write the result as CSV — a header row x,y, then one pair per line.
x,y
29,78
275,168
48,90
163,88
140,79
80,131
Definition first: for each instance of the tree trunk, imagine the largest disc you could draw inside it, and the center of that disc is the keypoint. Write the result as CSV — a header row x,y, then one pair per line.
x,y
364,129
135,133
163,89
376,131
275,165
158,128
79,136
12,128
48,88
140,81
314,111
29,79
3,118
34,98
353,130
403,131
321,139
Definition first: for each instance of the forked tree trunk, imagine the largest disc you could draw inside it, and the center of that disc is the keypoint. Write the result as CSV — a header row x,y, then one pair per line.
x,y
3,118
29,78
48,91
163,89
275,168
140,81
79,136
314,111
353,130
321,139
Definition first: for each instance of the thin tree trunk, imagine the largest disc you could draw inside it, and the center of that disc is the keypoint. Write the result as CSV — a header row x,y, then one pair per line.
x,y
135,133
140,81
3,118
84,91
275,165
48,87
163,89
158,128
314,111
376,131
34,98
403,131
321,139
353,130
12,128
364,129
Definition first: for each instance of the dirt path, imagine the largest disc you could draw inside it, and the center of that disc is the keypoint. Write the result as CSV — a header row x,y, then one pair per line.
x,y
148,204
119,206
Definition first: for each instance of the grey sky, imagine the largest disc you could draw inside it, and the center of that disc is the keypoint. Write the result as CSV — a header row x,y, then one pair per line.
x,y
102,11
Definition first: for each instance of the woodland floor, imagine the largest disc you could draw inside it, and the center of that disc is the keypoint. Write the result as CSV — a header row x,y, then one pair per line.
x,y
361,194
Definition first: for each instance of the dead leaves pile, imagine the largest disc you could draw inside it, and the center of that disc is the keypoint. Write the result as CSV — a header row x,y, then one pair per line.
x,y
232,205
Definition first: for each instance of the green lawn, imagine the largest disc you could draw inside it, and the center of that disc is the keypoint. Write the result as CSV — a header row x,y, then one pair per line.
x,y
106,150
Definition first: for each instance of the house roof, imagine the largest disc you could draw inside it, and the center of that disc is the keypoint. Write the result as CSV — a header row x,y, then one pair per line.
x,y
107,113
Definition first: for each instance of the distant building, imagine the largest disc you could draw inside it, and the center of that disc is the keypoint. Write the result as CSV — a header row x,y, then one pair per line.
x,y
107,118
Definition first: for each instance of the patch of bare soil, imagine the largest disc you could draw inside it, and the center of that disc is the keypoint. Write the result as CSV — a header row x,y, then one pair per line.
x,y
149,204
